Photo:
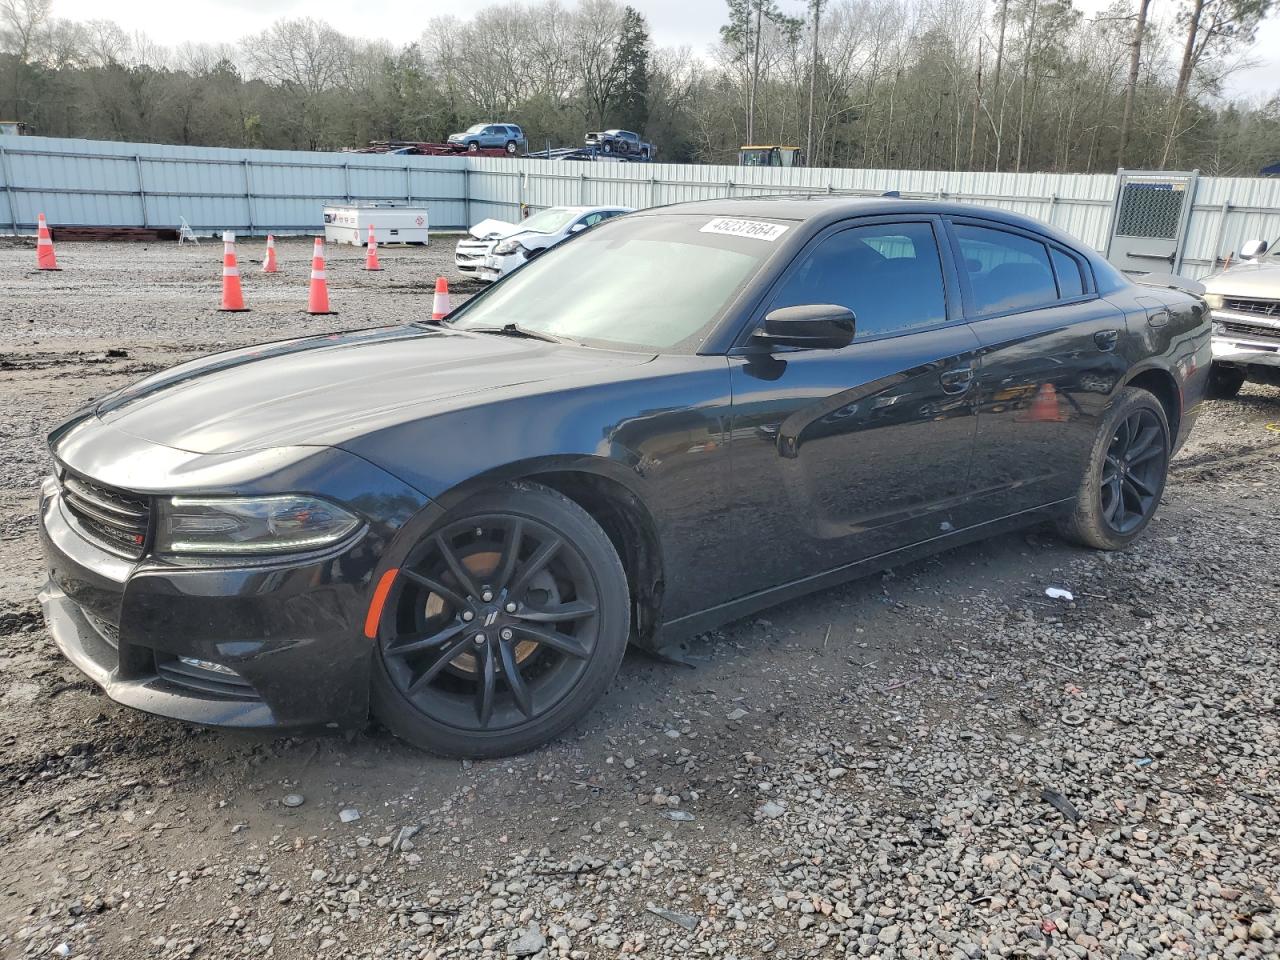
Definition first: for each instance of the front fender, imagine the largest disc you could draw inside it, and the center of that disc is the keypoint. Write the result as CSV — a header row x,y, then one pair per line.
x,y
660,431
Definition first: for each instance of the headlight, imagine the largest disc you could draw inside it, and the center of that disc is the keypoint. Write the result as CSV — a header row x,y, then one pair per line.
x,y
249,525
1214,300
507,246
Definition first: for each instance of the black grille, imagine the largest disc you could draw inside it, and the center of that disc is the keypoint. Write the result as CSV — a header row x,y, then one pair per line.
x,y
1263,308
1252,330
200,679
112,518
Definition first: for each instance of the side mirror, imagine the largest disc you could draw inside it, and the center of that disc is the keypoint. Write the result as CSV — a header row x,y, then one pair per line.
x,y
815,326
1253,248
577,228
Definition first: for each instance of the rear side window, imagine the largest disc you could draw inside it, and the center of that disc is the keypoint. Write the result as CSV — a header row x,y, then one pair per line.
x,y
889,275
1007,272
1070,280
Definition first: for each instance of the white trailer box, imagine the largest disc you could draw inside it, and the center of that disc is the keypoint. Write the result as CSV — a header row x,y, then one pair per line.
x,y
392,223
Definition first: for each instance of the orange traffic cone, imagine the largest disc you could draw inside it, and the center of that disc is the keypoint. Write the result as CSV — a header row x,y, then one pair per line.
x,y
269,265
440,303
1044,408
45,259
232,295
319,300
371,254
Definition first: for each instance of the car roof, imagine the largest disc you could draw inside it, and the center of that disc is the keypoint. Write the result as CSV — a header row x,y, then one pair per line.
x,y
823,208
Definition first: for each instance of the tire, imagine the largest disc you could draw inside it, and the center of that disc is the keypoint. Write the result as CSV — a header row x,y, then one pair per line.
x,y
511,147
1122,471
608,147
561,678
1225,381
473,146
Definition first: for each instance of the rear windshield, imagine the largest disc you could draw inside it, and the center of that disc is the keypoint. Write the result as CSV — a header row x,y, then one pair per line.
x,y
652,283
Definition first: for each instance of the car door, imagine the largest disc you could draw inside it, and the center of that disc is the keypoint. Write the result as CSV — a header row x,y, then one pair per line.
x,y
1048,365
491,137
838,455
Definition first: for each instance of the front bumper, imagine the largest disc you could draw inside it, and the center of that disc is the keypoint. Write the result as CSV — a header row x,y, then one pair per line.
x,y
470,254
289,632
497,266
1246,340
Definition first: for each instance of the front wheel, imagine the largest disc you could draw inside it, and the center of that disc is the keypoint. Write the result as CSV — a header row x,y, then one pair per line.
x,y
473,147
511,147
1225,381
505,624
1126,475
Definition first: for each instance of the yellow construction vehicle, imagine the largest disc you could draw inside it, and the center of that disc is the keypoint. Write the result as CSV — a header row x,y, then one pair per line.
x,y
770,156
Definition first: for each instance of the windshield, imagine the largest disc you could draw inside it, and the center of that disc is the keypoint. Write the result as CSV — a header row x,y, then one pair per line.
x,y
478,128
652,283
552,220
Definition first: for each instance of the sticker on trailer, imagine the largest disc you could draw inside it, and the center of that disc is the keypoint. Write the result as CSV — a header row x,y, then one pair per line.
x,y
754,229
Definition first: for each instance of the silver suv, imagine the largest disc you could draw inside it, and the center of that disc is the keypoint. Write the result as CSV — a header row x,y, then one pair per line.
x,y
1245,300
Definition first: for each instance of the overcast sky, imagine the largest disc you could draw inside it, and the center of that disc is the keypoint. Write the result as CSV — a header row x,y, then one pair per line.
x,y
672,22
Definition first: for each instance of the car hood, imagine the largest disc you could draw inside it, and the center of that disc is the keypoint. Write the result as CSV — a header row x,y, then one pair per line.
x,y
325,389
1256,278
494,230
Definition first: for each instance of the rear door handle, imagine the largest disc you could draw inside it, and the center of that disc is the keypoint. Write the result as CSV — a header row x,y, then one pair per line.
x,y
1106,339
957,380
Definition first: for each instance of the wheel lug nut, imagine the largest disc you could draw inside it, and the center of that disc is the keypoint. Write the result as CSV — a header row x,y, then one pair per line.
x,y
511,608
487,596
468,615
479,639
507,634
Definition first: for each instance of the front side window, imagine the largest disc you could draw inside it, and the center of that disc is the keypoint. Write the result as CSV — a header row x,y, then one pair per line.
x,y
889,275
1007,272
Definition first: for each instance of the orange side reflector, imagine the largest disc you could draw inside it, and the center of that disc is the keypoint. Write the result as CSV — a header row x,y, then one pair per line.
x,y
379,598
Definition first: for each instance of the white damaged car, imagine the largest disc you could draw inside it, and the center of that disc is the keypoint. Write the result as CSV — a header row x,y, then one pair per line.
x,y
1245,301
493,248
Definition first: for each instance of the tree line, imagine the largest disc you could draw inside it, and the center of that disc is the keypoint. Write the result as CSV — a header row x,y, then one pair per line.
x,y
1001,85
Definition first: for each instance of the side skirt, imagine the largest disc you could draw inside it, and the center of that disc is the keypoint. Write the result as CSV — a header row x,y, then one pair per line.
x,y
673,631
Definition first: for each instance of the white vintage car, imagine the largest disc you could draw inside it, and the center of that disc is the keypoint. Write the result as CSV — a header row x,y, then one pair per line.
x,y
493,248
1245,300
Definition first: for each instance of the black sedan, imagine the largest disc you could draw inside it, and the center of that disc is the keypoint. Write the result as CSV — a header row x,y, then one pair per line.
x,y
674,419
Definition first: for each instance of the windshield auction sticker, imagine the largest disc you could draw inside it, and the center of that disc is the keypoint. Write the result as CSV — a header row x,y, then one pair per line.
x,y
754,229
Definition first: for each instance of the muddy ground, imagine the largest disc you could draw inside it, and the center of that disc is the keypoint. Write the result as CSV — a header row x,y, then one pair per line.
x,y
940,761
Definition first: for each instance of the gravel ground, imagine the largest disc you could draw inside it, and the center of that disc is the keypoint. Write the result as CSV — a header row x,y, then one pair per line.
x,y
937,762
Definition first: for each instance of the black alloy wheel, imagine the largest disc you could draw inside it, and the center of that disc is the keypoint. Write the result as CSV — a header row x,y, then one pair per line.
x,y
505,624
1125,478
1134,473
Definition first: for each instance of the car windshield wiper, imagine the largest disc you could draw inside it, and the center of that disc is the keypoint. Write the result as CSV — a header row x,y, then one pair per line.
x,y
515,330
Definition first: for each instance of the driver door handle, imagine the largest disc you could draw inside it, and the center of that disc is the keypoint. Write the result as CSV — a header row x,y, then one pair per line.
x,y
956,381
1106,339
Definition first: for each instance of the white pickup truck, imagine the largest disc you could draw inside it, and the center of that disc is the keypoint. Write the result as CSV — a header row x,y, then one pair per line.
x,y
1245,301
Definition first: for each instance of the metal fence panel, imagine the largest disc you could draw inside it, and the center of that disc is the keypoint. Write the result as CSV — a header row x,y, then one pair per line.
x,y
99,182
212,188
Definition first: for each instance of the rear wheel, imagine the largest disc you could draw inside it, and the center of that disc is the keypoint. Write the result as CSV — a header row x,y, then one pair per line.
x,y
1225,381
505,625
1126,474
